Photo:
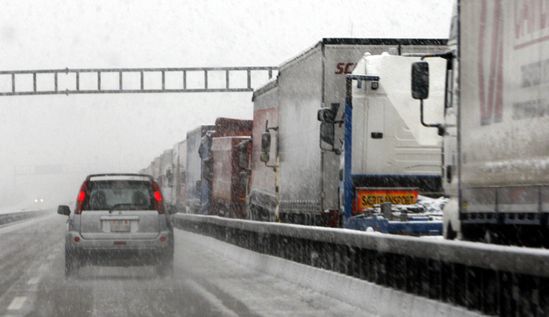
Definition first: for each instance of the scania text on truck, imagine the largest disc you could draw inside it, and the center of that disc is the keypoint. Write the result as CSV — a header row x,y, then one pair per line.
x,y
307,165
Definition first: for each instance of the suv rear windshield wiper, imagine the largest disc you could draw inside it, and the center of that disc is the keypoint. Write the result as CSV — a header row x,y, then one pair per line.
x,y
117,206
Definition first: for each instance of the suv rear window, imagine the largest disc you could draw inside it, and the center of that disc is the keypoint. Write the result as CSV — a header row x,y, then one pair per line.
x,y
128,194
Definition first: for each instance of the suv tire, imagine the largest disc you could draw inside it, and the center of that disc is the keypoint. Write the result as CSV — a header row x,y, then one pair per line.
x,y
164,267
72,263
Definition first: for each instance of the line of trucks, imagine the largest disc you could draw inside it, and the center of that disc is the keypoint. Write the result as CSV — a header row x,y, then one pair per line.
x,y
338,139
287,163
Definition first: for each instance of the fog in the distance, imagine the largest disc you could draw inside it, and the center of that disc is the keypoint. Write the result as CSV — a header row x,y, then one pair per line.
x,y
49,143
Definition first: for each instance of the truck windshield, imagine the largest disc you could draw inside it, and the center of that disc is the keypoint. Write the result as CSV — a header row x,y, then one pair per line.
x,y
103,195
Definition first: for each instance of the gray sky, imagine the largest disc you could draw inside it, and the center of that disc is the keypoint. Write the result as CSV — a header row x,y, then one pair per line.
x,y
124,132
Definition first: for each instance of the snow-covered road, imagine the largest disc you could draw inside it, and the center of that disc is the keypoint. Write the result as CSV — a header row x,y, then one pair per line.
x,y
210,278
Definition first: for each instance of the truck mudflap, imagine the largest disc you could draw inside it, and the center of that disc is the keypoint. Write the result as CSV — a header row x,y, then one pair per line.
x,y
332,218
416,226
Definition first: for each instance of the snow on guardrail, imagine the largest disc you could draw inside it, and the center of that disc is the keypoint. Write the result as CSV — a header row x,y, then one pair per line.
x,y
495,257
8,217
371,299
494,279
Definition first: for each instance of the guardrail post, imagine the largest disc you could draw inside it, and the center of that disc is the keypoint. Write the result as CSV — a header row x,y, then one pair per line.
x,y
471,289
314,254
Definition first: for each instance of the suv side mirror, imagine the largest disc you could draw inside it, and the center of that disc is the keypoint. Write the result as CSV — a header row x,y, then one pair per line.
x,y
420,80
64,210
265,146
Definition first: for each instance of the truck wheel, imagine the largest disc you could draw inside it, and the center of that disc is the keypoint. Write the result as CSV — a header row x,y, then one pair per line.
x,y
473,233
72,263
250,211
450,233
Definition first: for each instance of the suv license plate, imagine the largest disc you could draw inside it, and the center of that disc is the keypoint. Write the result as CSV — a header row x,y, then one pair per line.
x,y
120,226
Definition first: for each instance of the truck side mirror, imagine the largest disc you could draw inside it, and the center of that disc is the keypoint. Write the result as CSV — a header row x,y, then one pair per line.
x,y
64,210
327,133
169,176
326,115
265,146
327,118
244,179
205,148
243,159
420,80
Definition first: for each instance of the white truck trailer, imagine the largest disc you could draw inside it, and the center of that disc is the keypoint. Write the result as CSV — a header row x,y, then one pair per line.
x,y
165,178
308,168
179,161
262,199
194,166
496,123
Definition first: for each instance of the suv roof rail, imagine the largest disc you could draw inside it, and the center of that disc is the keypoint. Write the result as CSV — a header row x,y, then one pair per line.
x,y
119,174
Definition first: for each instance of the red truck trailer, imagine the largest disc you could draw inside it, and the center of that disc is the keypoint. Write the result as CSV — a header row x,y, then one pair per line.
x,y
224,127
230,174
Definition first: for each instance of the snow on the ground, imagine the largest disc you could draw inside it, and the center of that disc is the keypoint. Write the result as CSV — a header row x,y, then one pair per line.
x,y
23,207
432,205
427,206
370,299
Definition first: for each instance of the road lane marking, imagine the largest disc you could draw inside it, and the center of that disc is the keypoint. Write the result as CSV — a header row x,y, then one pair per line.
x,y
212,298
10,227
17,303
33,281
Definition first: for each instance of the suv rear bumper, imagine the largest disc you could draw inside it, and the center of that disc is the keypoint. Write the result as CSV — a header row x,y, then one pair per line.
x,y
161,243
120,252
125,257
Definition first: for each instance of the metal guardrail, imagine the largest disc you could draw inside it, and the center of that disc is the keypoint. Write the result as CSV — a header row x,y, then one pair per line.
x,y
46,81
21,215
488,278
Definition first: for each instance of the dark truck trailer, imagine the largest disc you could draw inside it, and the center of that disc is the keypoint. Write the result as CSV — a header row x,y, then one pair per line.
x,y
224,127
230,174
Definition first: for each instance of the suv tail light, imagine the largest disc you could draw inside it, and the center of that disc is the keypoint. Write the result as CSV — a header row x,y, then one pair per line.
x,y
81,198
157,198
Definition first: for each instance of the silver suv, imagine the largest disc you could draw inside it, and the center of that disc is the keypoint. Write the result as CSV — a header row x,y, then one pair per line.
x,y
119,219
